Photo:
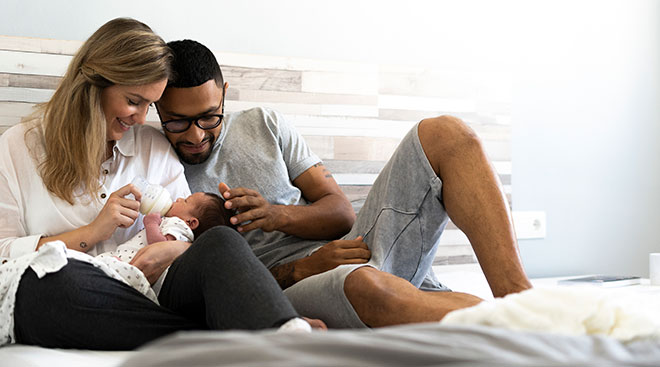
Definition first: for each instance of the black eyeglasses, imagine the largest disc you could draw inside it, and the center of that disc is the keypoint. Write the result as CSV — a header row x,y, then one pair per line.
x,y
204,122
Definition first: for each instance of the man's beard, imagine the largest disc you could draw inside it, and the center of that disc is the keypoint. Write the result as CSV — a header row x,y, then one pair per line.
x,y
195,158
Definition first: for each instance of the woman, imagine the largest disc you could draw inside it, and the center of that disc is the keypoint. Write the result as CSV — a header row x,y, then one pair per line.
x,y
64,177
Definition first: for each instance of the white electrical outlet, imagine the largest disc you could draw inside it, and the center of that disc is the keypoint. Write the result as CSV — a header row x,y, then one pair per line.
x,y
529,224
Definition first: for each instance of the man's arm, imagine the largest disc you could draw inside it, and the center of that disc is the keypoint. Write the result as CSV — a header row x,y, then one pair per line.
x,y
328,257
330,214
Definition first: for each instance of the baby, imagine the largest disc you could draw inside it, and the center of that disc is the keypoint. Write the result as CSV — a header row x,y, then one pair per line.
x,y
187,219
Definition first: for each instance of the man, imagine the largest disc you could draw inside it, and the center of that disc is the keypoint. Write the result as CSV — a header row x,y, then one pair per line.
x,y
287,202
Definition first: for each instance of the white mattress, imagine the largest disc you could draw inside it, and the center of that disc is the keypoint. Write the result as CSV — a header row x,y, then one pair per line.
x,y
29,356
410,345
427,344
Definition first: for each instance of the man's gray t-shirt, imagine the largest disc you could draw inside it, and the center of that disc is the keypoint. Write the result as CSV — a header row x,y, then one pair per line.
x,y
257,149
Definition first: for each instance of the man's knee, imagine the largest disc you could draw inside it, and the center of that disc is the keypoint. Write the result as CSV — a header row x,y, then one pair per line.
x,y
366,286
445,137
448,128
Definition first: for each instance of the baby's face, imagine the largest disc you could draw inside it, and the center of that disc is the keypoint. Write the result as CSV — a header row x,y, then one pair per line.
x,y
188,207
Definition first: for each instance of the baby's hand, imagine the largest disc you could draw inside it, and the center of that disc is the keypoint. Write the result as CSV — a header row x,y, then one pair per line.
x,y
152,219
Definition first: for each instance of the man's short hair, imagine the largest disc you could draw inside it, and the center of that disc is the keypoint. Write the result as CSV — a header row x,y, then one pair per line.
x,y
193,65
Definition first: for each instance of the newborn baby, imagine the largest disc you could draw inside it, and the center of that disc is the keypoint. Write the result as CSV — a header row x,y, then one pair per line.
x,y
187,219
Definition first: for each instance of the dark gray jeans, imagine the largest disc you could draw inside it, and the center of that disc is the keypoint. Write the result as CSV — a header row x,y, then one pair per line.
x,y
216,284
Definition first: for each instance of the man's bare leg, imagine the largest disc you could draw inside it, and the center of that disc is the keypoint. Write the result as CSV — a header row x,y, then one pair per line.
x,y
474,201
473,197
383,299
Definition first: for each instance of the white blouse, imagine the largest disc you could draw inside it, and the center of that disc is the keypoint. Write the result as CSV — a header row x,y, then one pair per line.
x,y
28,211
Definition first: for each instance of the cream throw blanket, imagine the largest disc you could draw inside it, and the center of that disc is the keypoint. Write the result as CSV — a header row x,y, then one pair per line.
x,y
621,314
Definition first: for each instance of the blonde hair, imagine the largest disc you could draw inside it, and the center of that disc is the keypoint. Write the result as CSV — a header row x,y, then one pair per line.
x,y
123,51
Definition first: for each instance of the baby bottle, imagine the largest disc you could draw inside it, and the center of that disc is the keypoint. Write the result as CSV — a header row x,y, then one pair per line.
x,y
155,199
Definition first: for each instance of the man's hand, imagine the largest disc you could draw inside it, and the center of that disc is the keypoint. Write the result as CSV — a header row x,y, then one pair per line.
x,y
152,260
326,258
251,206
331,255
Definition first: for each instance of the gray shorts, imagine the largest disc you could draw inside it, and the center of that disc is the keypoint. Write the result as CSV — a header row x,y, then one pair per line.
x,y
401,222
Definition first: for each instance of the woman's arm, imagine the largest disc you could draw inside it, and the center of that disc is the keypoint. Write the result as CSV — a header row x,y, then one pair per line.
x,y
12,230
82,239
152,260
118,211
28,210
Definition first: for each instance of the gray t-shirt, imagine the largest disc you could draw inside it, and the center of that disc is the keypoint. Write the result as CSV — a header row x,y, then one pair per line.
x,y
259,150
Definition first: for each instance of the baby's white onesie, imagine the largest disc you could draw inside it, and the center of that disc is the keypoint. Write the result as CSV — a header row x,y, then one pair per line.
x,y
119,259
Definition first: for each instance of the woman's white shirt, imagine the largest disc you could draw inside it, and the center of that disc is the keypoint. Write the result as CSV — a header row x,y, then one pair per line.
x,y
28,211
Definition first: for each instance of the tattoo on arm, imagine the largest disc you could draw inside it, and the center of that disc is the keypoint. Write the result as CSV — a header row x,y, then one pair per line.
x,y
284,275
325,170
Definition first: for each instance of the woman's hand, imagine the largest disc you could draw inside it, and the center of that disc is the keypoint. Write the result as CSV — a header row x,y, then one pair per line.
x,y
152,260
118,211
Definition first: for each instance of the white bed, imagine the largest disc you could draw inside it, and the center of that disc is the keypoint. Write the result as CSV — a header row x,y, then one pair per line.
x,y
27,356
410,345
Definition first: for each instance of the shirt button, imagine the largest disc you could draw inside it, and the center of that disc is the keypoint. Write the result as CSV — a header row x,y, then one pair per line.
x,y
103,196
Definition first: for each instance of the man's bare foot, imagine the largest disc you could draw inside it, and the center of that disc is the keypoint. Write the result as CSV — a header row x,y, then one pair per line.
x,y
316,324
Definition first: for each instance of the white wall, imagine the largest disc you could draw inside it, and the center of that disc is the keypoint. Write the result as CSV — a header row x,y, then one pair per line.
x,y
586,91
417,31
586,125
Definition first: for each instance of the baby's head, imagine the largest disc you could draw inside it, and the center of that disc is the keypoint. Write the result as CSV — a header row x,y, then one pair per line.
x,y
201,211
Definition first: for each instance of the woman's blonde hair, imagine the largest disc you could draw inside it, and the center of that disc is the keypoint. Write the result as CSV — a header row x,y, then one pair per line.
x,y
123,51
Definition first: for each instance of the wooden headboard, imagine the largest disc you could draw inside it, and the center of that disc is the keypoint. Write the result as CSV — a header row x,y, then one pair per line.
x,y
351,114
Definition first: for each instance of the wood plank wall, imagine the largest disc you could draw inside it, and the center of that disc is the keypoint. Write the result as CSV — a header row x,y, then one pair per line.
x,y
351,114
